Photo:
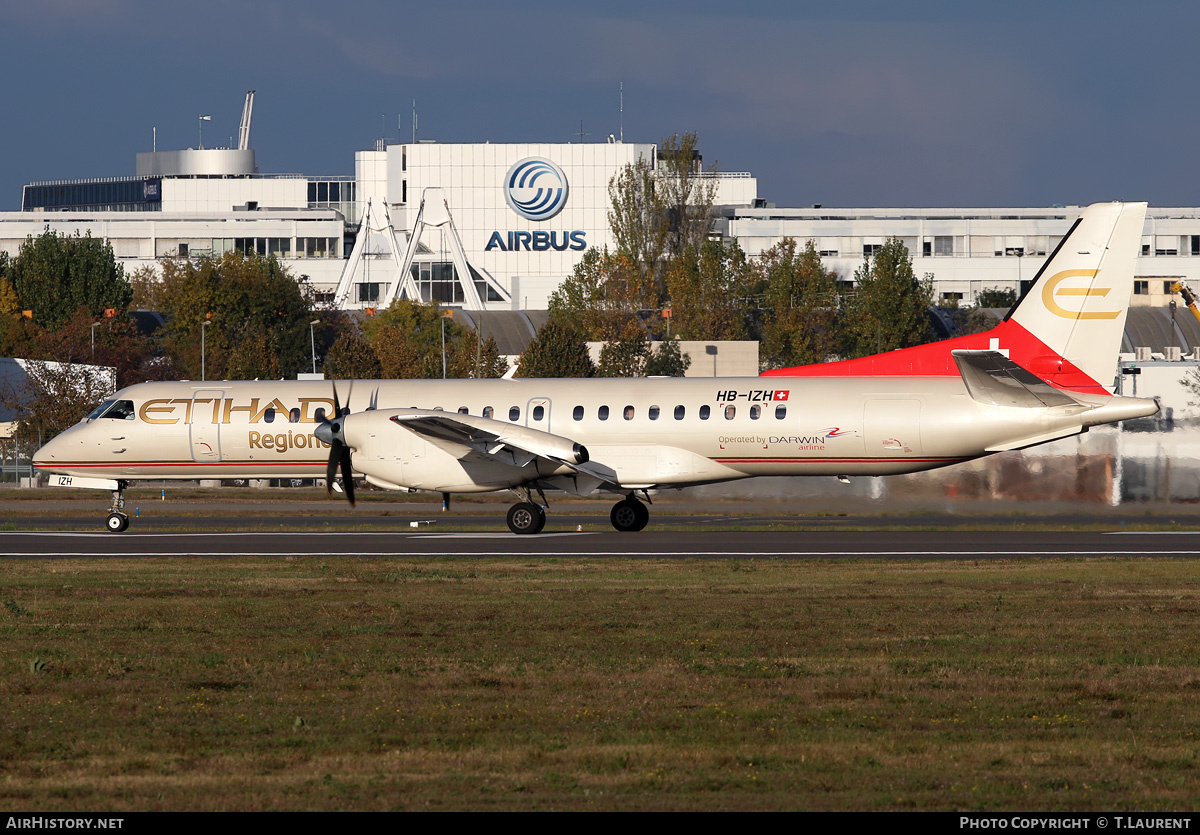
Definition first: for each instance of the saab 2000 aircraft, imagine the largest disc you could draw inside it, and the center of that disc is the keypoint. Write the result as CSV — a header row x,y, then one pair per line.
x,y
1043,374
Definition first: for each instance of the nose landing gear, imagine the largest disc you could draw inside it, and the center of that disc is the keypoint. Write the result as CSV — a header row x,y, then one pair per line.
x,y
117,521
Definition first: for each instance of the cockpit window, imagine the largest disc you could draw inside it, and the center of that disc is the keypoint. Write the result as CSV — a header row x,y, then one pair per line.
x,y
99,410
114,410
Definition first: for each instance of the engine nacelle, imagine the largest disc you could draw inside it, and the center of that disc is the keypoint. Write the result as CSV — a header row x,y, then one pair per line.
x,y
420,449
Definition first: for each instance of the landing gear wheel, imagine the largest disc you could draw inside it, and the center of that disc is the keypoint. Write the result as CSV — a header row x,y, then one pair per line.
x,y
117,522
526,517
629,515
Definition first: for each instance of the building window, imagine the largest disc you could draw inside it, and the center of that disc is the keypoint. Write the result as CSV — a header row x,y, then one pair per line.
x,y
1141,288
368,291
869,250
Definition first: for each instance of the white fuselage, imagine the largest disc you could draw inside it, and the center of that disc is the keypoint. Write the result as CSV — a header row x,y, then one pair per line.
x,y
648,432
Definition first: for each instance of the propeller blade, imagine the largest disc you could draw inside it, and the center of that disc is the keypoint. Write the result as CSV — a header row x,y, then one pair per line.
x,y
347,475
332,467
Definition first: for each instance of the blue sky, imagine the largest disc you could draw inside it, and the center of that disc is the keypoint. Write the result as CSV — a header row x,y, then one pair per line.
x,y
844,104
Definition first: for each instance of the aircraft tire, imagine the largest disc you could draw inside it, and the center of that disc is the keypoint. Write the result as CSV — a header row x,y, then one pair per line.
x,y
117,522
526,518
629,515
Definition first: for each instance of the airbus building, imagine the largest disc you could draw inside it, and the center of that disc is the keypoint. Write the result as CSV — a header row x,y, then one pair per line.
x,y
499,226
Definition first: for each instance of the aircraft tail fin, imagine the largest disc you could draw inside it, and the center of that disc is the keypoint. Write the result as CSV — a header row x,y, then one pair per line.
x,y
1076,307
1066,329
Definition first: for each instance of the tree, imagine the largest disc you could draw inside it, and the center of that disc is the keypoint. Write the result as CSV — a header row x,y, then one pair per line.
x,y
995,297
625,356
251,299
55,397
888,308
687,194
558,350
408,341
638,216
55,275
711,293
603,294
667,360
351,357
800,295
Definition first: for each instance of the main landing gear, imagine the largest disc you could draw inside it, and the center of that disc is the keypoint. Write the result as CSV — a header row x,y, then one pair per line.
x,y
528,516
117,521
629,514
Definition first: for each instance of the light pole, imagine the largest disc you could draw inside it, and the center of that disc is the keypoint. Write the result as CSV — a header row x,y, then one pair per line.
x,y
203,330
313,340
94,326
203,119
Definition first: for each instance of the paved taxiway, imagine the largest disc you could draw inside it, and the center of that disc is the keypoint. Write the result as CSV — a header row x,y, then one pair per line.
x,y
645,545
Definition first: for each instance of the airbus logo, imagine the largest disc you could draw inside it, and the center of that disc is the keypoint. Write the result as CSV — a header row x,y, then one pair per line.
x,y
535,188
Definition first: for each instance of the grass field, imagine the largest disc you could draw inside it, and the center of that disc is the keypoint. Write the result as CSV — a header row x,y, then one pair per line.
x,y
298,683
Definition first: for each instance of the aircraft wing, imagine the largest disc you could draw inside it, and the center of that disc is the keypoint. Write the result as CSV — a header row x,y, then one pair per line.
x,y
993,378
484,439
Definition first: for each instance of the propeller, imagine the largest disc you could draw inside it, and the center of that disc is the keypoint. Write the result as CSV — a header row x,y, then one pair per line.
x,y
331,431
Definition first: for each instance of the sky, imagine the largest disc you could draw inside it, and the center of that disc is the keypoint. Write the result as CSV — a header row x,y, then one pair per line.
x,y
850,104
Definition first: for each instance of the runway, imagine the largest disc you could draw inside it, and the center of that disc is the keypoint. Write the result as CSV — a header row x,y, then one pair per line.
x,y
867,545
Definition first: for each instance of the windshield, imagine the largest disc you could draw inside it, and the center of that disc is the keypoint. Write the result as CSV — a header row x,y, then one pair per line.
x,y
99,410
113,410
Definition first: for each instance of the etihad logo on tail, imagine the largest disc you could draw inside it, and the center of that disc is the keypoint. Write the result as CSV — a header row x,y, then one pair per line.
x,y
1051,292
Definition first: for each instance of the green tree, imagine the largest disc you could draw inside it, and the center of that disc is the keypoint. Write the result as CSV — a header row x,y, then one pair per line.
x,y
603,294
638,217
625,356
889,306
54,275
800,297
995,297
711,293
56,396
667,360
408,340
558,350
351,357
250,299
687,193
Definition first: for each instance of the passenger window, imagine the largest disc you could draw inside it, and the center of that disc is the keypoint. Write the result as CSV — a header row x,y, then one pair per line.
x,y
319,416
653,413
514,413
269,416
294,416
487,411
680,413
730,411
704,412
780,412
539,412
755,412
628,413
463,410
602,413
577,414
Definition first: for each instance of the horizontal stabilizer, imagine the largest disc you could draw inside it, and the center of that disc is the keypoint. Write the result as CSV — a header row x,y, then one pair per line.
x,y
993,378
